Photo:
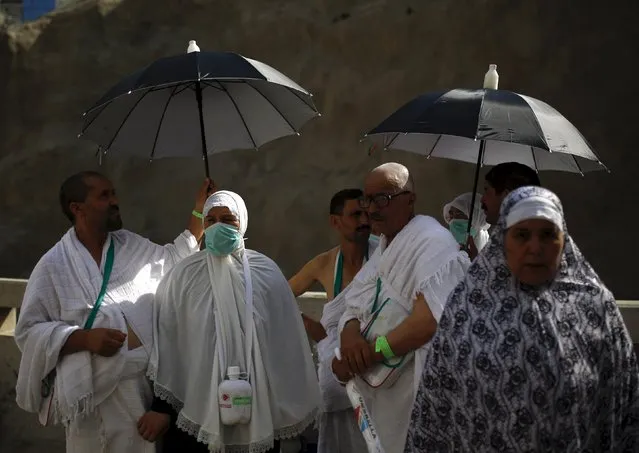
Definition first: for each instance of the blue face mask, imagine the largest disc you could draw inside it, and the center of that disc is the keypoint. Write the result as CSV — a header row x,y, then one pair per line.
x,y
374,237
459,228
222,239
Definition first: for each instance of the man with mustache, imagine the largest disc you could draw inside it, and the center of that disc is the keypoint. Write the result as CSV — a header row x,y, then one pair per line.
x,y
334,270
393,304
84,366
498,183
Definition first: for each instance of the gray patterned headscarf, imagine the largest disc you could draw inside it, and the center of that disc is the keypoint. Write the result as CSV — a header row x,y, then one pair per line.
x,y
520,369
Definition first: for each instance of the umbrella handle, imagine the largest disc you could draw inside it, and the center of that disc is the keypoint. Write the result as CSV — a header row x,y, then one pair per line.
x,y
480,160
198,96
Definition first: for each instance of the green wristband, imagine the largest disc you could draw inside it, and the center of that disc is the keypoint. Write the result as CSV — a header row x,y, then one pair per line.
x,y
381,345
197,214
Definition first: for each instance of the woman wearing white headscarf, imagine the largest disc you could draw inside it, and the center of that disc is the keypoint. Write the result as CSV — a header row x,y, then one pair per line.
x,y
200,330
531,353
456,215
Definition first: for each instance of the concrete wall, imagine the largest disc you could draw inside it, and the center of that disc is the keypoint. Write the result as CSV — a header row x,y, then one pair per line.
x,y
21,432
362,59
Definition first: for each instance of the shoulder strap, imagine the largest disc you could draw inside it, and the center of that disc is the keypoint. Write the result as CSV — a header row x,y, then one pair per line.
x,y
108,265
378,289
339,271
248,326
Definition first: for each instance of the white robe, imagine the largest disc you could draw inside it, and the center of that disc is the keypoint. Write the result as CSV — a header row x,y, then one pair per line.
x,y
338,430
186,365
424,257
98,399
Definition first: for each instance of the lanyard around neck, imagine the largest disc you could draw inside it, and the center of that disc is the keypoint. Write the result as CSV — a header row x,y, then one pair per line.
x,y
108,265
248,325
339,272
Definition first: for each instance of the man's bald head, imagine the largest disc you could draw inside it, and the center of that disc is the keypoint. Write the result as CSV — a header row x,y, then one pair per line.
x,y
394,176
390,198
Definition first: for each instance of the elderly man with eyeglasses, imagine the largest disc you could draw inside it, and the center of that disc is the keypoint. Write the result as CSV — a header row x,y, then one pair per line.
x,y
392,307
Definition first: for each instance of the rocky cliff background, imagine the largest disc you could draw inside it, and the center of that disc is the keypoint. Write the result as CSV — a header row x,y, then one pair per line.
x,y
362,59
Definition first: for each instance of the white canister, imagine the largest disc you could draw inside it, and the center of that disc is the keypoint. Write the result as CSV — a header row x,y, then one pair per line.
x,y
235,397
491,78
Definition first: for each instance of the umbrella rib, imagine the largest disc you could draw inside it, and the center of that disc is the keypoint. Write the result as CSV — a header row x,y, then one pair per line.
x,y
276,109
209,84
432,150
124,120
157,133
392,140
94,117
577,164
534,116
295,92
184,87
532,150
248,131
481,105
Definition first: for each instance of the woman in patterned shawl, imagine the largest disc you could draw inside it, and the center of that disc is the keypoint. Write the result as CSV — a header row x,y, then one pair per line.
x,y
531,353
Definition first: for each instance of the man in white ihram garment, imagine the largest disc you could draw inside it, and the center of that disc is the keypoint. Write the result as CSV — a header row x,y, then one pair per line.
x,y
93,380
334,270
394,302
212,308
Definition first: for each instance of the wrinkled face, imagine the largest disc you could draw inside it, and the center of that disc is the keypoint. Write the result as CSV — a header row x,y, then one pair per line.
x,y
100,211
454,213
533,250
221,214
353,224
389,209
491,202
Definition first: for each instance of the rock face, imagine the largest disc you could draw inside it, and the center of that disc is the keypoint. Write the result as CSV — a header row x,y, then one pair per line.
x,y
362,59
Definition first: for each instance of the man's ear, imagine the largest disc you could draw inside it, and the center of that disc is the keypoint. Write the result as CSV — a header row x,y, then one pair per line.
x,y
412,198
76,209
334,220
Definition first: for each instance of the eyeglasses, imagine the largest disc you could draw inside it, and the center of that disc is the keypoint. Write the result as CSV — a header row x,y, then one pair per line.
x,y
381,200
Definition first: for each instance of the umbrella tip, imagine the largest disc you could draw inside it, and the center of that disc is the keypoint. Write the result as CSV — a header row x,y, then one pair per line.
x,y
192,47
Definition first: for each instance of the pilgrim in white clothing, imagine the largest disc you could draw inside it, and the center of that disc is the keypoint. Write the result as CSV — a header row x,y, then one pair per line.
x,y
456,214
422,258
98,399
338,430
202,324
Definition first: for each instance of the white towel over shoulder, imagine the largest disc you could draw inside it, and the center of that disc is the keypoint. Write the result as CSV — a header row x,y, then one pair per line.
x,y
59,296
423,258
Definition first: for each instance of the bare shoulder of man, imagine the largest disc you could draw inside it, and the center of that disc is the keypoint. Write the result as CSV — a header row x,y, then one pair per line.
x,y
310,273
326,270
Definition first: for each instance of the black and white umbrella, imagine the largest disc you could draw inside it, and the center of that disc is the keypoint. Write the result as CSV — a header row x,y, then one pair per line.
x,y
487,127
196,104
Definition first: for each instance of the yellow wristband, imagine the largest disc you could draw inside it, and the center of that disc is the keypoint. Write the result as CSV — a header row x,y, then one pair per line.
x,y
381,345
197,214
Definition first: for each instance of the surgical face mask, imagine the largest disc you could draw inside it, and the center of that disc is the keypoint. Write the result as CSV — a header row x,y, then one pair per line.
x,y
459,228
374,237
222,239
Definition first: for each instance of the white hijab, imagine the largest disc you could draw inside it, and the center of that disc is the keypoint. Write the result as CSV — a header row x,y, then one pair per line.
x,y
201,328
231,200
479,224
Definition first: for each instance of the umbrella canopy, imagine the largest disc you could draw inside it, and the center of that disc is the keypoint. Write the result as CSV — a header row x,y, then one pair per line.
x,y
197,104
510,127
